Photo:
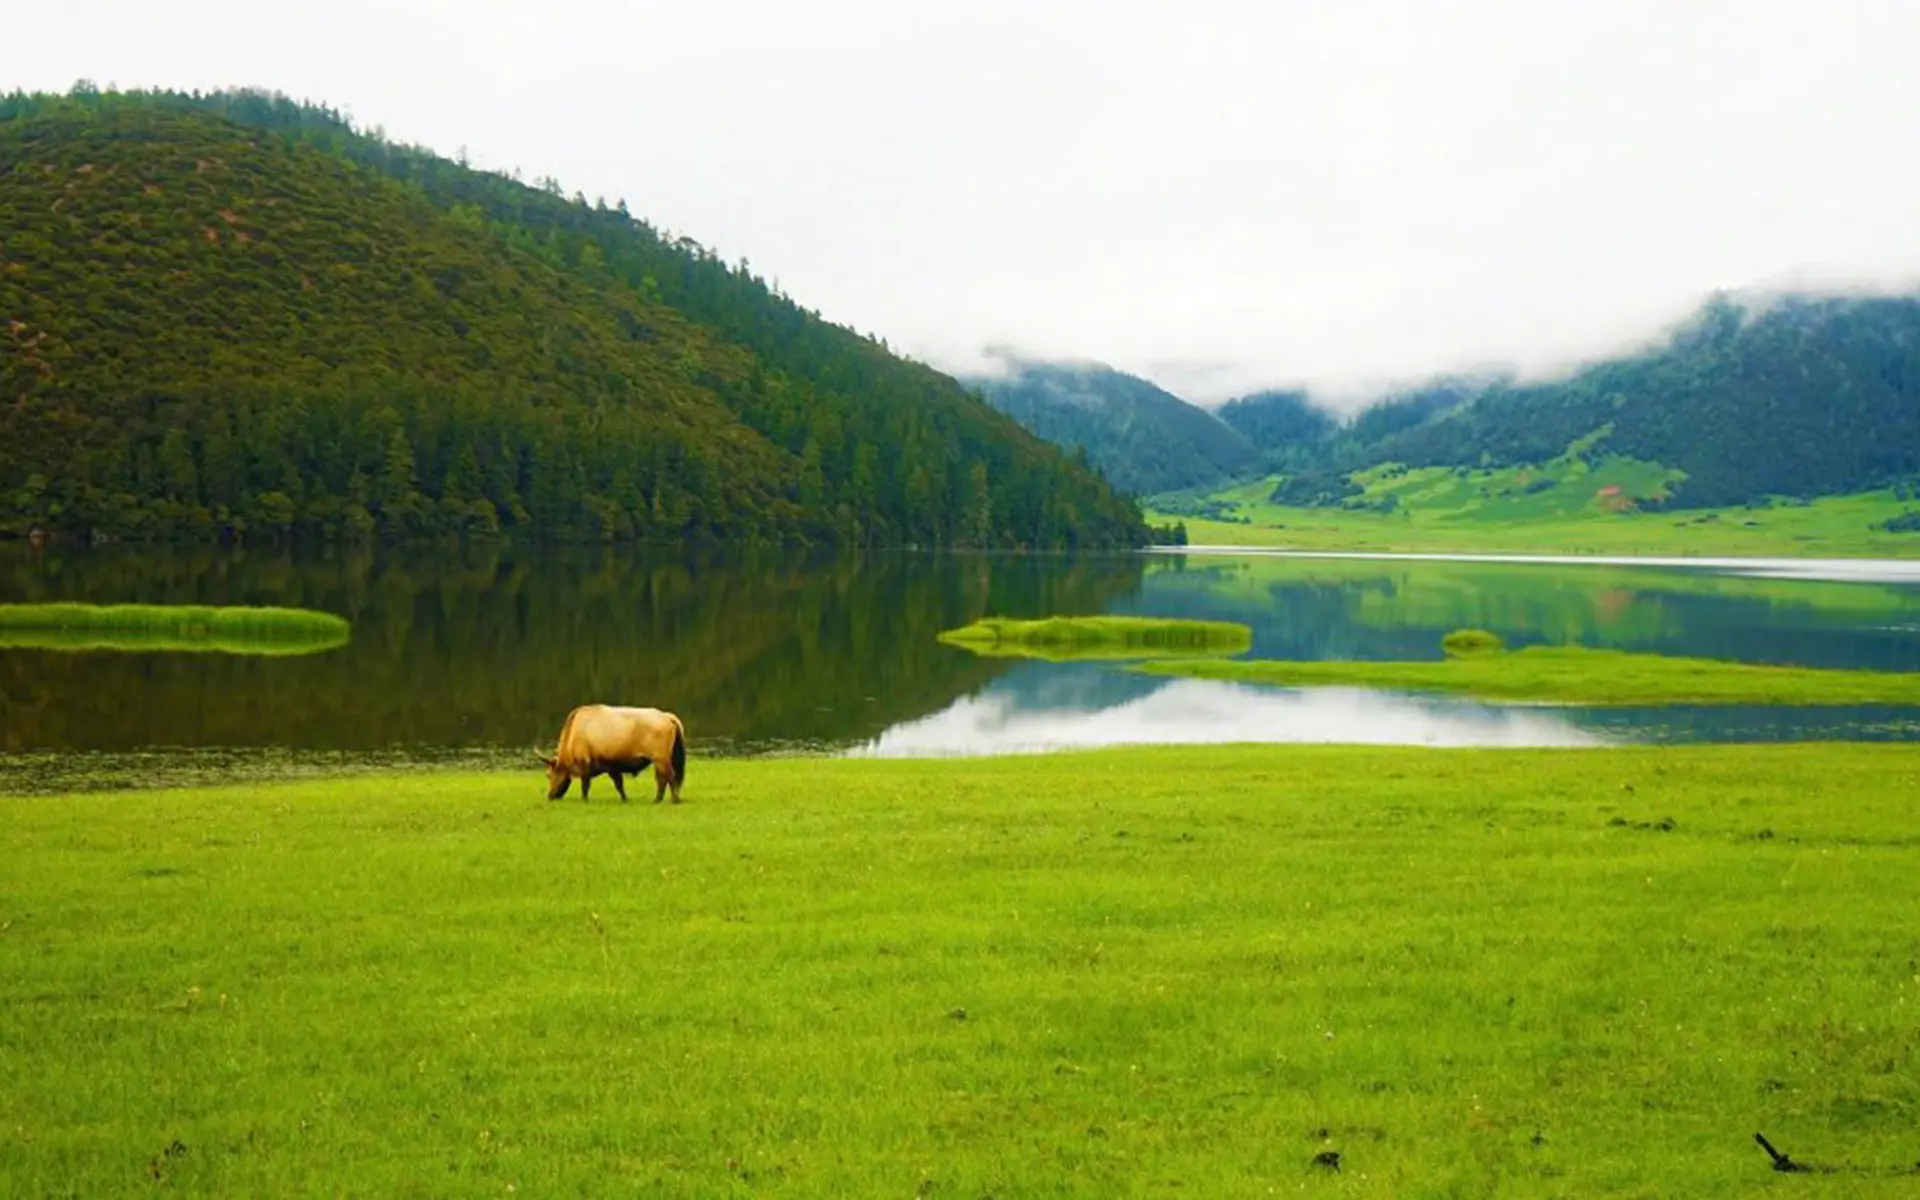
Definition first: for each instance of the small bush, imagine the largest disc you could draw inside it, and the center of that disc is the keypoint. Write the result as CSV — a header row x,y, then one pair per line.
x,y
1463,642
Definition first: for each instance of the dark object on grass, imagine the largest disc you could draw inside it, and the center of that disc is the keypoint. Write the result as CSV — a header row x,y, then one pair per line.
x,y
1330,1159
1780,1161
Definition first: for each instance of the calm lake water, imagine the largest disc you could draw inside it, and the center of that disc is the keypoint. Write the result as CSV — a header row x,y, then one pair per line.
x,y
475,654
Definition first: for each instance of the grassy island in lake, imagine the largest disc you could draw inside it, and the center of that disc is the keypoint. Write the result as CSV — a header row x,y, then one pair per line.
x,y
150,627
1061,638
1572,675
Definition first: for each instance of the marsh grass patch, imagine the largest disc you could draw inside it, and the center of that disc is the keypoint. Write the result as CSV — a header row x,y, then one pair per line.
x,y
1573,675
1062,639
171,627
1462,643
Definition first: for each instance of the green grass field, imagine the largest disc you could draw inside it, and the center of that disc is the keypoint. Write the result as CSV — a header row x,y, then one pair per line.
x,y
1493,511
153,627
1574,675
1060,639
1468,973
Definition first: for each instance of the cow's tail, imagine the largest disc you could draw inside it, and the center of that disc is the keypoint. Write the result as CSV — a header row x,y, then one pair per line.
x,y
679,751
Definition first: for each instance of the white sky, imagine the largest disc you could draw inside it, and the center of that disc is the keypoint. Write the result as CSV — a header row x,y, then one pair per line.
x,y
1219,195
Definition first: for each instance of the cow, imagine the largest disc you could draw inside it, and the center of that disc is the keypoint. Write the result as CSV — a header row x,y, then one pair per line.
x,y
600,739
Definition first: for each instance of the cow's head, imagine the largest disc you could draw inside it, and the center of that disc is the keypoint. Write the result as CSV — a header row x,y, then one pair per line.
x,y
559,779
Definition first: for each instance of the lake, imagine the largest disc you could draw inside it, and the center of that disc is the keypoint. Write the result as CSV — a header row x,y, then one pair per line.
x,y
474,654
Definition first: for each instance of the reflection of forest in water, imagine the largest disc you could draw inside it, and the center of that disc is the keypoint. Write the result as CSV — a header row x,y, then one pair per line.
x,y
476,648
1385,609
490,645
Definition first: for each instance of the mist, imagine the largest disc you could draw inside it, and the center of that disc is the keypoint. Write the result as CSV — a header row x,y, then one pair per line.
x,y
1222,197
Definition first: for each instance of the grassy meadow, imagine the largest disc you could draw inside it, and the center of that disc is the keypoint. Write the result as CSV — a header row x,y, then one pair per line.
x,y
1123,972
1437,509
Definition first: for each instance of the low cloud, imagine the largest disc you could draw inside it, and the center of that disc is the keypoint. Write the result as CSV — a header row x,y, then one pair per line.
x,y
1224,197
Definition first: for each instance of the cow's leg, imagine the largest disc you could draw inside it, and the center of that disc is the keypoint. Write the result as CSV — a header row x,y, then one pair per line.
x,y
619,785
586,782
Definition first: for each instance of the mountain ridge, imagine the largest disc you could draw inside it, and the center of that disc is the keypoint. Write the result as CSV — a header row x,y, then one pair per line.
x,y
1797,395
1141,436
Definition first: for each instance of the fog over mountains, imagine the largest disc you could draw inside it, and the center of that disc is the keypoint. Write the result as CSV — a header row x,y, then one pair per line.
x,y
1758,393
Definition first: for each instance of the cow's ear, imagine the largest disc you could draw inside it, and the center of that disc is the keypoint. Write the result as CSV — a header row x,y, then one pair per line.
x,y
543,758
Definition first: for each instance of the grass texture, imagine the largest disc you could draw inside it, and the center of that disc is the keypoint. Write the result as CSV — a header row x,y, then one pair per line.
x,y
1465,973
1491,511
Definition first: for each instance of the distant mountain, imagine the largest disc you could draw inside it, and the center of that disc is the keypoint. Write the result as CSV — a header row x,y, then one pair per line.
x,y
1791,395
1283,425
1406,408
1799,396
234,315
1144,439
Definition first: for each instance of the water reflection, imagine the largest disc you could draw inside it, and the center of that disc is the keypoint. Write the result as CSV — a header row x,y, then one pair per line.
x,y
1754,723
1358,607
489,646
1053,708
1004,719
473,654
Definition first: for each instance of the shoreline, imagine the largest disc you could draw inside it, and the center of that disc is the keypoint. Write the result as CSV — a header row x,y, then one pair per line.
x,y
1823,569
479,769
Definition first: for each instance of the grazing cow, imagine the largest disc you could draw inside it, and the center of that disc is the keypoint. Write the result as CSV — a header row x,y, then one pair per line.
x,y
599,739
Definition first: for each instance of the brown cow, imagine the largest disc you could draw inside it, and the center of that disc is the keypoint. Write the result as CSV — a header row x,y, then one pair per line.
x,y
601,739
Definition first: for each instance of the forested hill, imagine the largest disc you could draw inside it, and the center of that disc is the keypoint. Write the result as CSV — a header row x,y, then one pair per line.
x,y
1144,439
233,313
1283,425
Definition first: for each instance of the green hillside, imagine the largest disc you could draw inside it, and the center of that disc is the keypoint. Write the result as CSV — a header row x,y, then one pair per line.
x,y
1141,437
1791,426
235,314
1799,396
1794,396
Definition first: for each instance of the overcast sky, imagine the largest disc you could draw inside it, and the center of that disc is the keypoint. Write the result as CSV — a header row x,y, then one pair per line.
x,y
1219,195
